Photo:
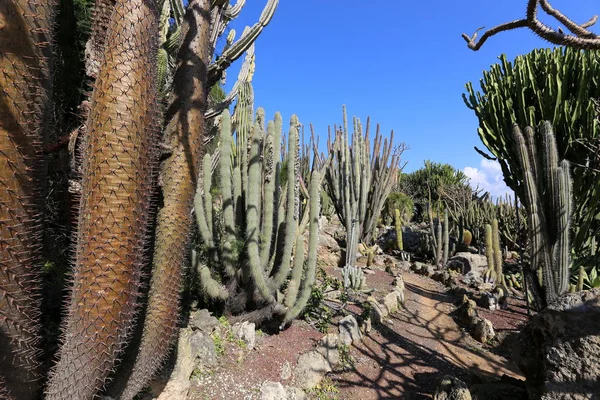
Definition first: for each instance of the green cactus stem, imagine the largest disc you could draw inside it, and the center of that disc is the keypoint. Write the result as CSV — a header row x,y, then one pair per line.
x,y
398,224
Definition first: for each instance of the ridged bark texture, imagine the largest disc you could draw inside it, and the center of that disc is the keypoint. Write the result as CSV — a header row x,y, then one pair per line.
x,y
25,91
179,172
119,164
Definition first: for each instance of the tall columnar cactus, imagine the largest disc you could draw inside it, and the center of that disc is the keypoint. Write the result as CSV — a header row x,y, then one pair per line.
x,y
494,272
440,240
548,199
25,102
271,253
358,180
398,224
119,164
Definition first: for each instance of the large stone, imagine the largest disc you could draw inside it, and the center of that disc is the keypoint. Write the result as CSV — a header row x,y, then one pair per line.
x,y
466,262
203,320
272,391
379,312
295,393
467,314
310,370
349,330
246,332
451,388
483,331
392,301
558,351
328,347
194,349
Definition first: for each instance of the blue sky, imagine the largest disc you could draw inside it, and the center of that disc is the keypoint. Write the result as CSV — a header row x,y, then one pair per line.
x,y
403,63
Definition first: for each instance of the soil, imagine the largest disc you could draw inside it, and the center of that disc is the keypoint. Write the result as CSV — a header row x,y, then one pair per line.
x,y
400,359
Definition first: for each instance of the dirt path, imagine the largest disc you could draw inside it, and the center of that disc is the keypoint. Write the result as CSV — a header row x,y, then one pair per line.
x,y
405,359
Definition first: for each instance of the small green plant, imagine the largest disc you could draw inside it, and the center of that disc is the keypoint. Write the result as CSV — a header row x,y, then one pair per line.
x,y
346,360
325,390
219,343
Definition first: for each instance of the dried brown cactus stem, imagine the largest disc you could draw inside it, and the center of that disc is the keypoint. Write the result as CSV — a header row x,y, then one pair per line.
x,y
119,164
184,135
25,89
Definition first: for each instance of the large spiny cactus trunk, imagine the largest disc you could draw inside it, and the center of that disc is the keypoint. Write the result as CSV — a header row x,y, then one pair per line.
x,y
119,159
25,80
184,135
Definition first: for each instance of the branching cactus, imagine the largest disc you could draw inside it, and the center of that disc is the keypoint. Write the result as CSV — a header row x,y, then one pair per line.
x,y
359,181
548,201
257,256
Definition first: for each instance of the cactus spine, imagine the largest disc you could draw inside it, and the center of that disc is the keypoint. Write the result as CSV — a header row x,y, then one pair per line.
x,y
548,201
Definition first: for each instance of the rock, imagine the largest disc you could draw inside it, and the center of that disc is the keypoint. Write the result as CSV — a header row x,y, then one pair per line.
x,y
483,331
194,348
451,388
366,326
203,320
399,287
286,371
349,331
444,277
295,393
392,301
403,266
378,311
328,347
558,351
497,391
466,314
323,221
310,370
328,242
466,262
273,391
472,278
488,301
246,332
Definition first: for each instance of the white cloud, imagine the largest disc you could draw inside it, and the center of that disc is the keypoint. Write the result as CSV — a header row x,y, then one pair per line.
x,y
489,178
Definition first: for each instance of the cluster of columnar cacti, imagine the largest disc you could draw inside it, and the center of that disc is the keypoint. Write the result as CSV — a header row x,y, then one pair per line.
x,y
119,168
440,240
252,236
556,85
494,272
359,181
548,199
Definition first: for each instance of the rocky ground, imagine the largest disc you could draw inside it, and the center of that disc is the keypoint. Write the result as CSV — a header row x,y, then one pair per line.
x,y
402,357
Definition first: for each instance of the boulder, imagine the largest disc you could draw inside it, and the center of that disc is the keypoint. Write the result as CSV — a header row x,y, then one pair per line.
x,y
310,370
451,388
273,391
392,301
328,347
558,351
246,332
349,330
466,314
203,320
483,331
466,262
